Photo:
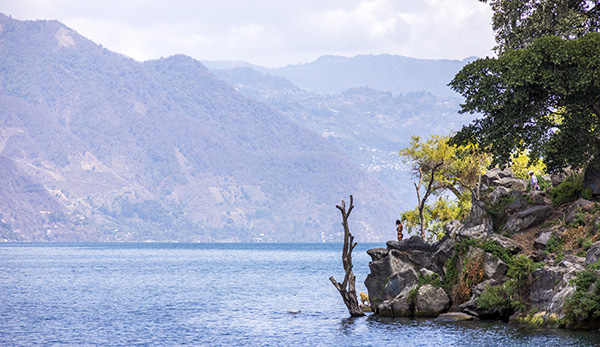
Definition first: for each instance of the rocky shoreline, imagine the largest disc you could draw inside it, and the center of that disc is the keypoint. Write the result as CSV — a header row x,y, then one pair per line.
x,y
515,258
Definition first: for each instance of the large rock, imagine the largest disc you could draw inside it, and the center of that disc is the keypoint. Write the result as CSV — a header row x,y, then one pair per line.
x,y
593,254
591,178
444,251
389,276
491,177
431,301
493,267
510,245
531,217
576,208
498,194
378,253
542,240
411,244
455,317
395,273
512,183
478,216
550,285
537,197
477,232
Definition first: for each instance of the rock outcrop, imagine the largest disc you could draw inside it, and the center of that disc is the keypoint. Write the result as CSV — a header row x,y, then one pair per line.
x,y
485,267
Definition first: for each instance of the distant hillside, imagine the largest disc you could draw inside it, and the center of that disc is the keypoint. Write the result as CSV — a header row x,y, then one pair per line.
x,y
120,150
393,73
370,125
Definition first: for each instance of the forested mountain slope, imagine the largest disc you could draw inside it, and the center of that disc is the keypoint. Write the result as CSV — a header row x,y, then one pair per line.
x,y
161,150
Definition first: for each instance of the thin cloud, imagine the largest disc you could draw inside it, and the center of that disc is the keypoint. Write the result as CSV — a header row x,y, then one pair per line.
x,y
273,33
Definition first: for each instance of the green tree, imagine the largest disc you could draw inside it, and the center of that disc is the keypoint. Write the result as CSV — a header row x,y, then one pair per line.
x,y
440,168
518,23
521,165
544,98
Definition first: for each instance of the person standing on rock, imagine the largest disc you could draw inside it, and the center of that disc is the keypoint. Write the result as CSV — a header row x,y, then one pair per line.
x,y
399,230
534,181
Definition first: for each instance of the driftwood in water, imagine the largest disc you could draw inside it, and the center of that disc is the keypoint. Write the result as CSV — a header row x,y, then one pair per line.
x,y
347,288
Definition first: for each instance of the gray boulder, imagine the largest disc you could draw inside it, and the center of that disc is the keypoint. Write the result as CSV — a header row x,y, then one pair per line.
x,y
493,267
537,197
378,253
478,216
510,245
431,301
542,240
575,208
411,244
494,175
593,254
530,217
498,194
512,183
518,205
455,317
550,285
390,276
477,232
591,178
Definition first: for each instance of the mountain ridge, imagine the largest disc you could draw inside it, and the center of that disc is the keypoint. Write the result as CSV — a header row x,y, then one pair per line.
x,y
332,74
165,151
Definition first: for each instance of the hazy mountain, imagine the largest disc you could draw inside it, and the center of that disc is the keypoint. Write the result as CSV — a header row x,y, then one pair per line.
x,y
97,146
370,125
393,73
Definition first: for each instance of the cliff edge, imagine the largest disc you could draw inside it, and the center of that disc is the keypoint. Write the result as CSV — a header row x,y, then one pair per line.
x,y
517,257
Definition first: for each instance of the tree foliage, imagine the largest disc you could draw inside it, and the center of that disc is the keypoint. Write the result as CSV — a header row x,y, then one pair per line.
x,y
544,98
441,169
518,23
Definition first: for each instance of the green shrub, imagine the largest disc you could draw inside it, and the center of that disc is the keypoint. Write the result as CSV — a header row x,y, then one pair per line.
x,y
579,219
594,266
554,244
584,305
559,257
496,211
543,183
521,268
451,265
496,297
497,250
570,189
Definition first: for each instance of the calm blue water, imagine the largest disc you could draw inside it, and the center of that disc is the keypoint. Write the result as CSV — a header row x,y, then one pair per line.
x,y
212,295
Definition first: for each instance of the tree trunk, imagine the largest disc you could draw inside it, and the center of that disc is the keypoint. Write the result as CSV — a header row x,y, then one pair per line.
x,y
347,288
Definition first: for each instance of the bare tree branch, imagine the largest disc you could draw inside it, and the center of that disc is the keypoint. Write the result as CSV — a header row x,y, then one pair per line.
x,y
347,289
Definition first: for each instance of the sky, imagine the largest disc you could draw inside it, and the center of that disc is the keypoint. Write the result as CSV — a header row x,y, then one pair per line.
x,y
272,33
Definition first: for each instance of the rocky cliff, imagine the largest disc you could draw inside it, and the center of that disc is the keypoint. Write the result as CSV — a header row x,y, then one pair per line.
x,y
520,256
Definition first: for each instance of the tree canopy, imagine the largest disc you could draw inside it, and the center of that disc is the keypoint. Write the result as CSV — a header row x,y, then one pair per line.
x,y
441,168
544,98
518,23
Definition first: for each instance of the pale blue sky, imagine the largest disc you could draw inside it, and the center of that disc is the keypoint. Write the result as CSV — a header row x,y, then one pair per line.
x,y
272,32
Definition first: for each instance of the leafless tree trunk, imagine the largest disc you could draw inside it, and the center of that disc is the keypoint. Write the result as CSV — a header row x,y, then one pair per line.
x,y
347,288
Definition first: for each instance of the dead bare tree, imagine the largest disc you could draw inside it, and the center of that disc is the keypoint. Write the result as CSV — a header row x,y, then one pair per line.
x,y
347,288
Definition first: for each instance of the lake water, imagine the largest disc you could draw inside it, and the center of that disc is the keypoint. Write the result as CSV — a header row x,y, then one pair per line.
x,y
213,295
